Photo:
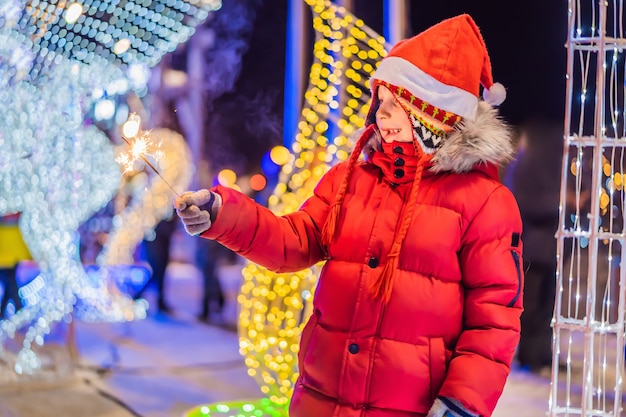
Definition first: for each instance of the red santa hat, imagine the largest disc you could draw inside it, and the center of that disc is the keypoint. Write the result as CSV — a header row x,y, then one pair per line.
x,y
441,70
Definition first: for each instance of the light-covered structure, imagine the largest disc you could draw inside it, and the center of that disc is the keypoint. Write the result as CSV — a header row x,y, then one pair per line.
x,y
590,305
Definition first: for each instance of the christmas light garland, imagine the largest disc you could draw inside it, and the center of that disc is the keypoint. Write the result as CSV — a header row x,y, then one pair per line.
x,y
274,307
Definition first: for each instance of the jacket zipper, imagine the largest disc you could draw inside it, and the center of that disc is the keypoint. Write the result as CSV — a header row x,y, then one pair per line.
x,y
519,278
377,332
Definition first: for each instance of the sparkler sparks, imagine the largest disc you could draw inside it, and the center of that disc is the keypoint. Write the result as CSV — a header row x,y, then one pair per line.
x,y
141,147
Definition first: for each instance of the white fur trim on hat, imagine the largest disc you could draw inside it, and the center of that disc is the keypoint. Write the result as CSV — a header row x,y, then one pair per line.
x,y
401,73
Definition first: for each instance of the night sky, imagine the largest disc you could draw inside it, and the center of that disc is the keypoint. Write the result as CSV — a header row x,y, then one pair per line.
x,y
525,41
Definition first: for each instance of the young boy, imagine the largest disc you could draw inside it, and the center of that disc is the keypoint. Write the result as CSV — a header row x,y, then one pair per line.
x,y
416,312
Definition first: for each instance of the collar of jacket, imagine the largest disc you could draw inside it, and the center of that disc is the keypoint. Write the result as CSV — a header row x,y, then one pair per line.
x,y
398,162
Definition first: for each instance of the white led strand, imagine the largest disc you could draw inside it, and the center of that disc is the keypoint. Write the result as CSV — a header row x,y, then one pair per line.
x,y
590,304
56,170
120,32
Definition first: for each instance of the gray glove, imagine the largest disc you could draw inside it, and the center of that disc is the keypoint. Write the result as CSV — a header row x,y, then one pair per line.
x,y
448,407
197,210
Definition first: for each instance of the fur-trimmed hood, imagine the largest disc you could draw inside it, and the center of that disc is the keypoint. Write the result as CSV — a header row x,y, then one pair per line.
x,y
487,140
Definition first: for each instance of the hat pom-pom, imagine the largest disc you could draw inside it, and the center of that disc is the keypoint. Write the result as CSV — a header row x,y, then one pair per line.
x,y
495,95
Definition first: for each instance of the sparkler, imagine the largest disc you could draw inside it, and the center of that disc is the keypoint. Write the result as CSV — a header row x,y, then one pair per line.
x,y
139,148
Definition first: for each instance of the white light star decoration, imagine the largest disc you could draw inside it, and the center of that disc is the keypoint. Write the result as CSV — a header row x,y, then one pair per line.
x,y
57,172
56,168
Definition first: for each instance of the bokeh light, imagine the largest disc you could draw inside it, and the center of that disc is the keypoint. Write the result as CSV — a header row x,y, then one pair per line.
x,y
269,167
280,155
130,128
258,182
57,65
227,177
73,13
57,172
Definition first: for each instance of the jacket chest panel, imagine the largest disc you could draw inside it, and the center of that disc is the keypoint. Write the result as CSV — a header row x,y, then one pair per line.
x,y
372,213
367,223
432,243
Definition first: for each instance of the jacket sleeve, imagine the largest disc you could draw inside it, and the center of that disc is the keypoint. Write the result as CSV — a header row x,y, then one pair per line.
x,y
490,260
280,243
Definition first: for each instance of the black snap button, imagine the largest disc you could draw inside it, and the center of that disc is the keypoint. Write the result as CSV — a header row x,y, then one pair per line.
x,y
399,162
372,263
397,149
398,173
353,348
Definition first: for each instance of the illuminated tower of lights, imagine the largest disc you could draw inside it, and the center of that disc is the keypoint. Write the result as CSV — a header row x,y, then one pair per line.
x,y
591,303
274,307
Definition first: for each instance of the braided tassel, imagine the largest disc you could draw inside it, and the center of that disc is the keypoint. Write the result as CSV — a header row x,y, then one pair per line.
x,y
383,286
330,226
332,220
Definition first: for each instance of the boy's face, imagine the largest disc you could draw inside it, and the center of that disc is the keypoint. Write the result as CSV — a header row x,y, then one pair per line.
x,y
392,121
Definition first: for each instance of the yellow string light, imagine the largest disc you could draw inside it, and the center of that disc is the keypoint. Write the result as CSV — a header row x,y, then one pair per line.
x,y
274,307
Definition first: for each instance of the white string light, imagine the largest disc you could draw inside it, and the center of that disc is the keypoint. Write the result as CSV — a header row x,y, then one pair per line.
x,y
590,310
55,168
57,172
120,32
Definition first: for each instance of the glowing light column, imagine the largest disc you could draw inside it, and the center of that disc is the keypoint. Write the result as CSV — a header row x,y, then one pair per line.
x,y
589,312
274,307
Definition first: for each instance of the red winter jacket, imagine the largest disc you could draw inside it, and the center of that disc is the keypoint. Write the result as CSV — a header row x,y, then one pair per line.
x,y
452,324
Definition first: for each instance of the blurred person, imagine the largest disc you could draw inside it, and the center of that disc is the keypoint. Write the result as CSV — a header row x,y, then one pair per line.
x,y
534,177
209,256
416,310
13,250
157,253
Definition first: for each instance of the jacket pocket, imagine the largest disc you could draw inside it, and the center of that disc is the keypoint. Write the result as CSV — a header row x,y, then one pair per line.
x,y
401,375
438,365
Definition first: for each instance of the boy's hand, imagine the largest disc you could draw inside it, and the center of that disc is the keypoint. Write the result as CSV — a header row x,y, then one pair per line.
x,y
196,209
